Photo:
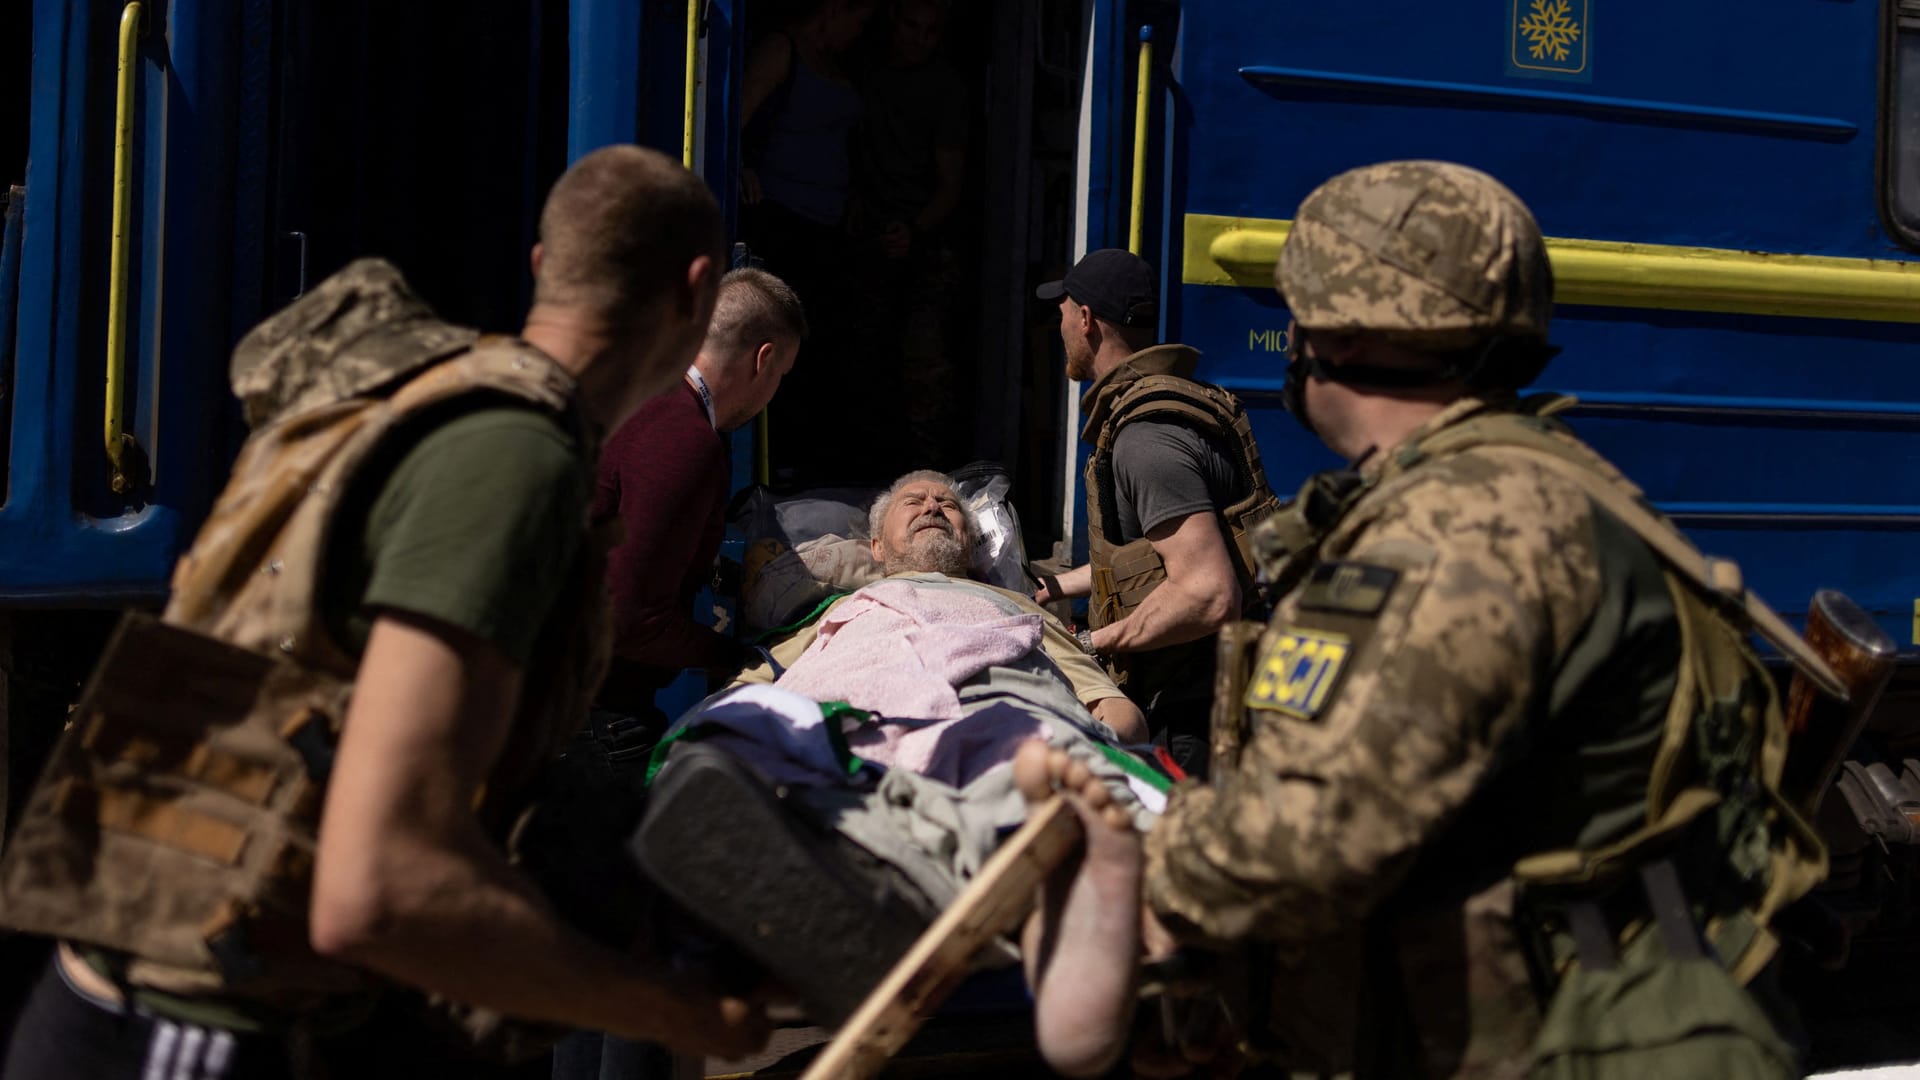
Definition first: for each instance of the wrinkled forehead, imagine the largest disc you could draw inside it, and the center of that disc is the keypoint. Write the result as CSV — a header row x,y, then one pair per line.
x,y
924,490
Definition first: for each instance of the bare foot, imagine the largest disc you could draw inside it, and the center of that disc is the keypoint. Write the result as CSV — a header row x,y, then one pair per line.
x,y
1082,943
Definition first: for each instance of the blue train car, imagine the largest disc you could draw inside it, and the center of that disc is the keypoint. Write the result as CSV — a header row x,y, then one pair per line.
x,y
1732,197
176,171
1730,204
1730,201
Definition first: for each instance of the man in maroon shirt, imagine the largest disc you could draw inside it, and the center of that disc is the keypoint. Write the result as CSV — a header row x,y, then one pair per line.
x,y
666,474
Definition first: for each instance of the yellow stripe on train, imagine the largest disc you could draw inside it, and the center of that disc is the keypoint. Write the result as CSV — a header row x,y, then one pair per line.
x,y
1608,273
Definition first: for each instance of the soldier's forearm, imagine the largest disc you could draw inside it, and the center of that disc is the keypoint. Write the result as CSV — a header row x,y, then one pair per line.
x,y
1173,614
464,924
407,883
1075,582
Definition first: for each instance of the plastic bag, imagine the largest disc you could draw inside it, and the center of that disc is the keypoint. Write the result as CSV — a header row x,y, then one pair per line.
x,y
1000,558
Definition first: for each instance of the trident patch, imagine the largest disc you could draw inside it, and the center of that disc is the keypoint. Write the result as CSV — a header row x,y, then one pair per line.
x,y
1297,671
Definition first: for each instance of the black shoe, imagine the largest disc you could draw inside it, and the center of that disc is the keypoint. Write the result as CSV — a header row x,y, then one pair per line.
x,y
823,916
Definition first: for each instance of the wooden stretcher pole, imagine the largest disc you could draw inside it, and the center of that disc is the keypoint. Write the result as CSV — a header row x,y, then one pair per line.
x,y
992,905
1822,727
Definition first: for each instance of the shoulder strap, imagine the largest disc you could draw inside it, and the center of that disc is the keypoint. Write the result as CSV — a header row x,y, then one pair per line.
x,y
1169,397
1714,577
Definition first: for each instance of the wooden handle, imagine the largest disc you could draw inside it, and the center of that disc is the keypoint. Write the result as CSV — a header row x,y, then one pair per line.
x,y
1234,658
991,905
1821,726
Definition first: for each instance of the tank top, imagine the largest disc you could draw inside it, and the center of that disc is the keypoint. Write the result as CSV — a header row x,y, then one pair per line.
x,y
803,162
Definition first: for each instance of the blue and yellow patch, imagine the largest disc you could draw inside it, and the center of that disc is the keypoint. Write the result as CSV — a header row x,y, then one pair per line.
x,y
1296,672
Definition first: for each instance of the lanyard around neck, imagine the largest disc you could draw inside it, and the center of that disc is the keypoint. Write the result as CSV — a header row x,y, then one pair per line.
x,y
700,387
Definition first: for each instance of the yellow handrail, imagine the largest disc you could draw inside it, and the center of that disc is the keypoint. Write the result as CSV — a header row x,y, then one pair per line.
x,y
693,55
1142,99
1612,273
761,469
117,275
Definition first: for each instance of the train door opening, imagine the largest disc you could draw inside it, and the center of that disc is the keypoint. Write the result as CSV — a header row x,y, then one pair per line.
x,y
430,143
928,349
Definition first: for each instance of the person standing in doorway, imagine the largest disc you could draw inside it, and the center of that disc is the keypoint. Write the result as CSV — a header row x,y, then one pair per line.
x,y
798,110
909,170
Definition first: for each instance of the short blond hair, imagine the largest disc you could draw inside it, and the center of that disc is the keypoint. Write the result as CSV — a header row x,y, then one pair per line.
x,y
619,229
754,307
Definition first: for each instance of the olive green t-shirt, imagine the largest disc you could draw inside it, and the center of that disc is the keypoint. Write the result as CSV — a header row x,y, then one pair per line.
x,y
476,525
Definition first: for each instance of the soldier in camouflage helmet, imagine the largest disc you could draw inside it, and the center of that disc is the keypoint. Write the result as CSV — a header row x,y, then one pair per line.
x,y
1472,660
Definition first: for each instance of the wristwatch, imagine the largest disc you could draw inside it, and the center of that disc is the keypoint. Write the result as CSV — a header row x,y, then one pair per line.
x,y
1085,637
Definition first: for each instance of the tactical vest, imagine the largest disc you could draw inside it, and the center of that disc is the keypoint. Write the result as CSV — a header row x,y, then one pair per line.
x,y
1717,771
176,822
1157,385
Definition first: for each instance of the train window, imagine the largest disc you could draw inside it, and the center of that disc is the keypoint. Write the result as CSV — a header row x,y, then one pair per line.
x,y
1900,139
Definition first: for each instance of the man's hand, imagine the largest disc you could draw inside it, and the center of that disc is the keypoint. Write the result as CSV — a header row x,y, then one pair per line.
x,y
1123,716
408,884
701,1024
1075,582
1200,595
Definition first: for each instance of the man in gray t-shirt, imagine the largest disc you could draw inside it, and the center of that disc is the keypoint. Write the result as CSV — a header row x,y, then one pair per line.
x,y
1163,576
1163,472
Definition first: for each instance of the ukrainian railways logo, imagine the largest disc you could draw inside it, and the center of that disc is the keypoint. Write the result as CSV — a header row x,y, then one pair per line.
x,y
1550,39
1297,671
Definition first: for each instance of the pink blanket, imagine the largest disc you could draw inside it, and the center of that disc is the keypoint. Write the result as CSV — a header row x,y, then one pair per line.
x,y
952,751
899,650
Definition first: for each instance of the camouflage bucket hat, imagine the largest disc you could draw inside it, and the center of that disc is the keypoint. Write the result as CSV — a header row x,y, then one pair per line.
x,y
1423,249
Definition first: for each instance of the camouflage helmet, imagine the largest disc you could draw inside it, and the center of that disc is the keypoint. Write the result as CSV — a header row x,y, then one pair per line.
x,y
1426,251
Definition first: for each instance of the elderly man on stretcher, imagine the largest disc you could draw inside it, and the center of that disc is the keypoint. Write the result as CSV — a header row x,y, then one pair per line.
x,y
908,645
821,812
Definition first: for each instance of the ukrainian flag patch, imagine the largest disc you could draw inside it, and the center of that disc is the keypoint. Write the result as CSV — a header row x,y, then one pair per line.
x,y
1297,671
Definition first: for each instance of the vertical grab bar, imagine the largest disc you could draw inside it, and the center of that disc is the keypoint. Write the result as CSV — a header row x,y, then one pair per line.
x,y
1141,101
117,277
693,56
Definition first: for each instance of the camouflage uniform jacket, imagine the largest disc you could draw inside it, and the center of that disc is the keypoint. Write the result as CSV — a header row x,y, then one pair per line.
x,y
1476,667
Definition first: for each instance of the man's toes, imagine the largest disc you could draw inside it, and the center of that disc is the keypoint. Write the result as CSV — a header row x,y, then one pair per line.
x,y
1077,776
1031,772
1096,793
1057,763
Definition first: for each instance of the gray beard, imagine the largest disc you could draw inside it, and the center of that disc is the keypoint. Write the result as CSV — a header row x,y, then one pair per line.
x,y
929,553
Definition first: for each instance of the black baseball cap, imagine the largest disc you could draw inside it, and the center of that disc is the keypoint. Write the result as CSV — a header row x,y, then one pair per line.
x,y
1115,285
